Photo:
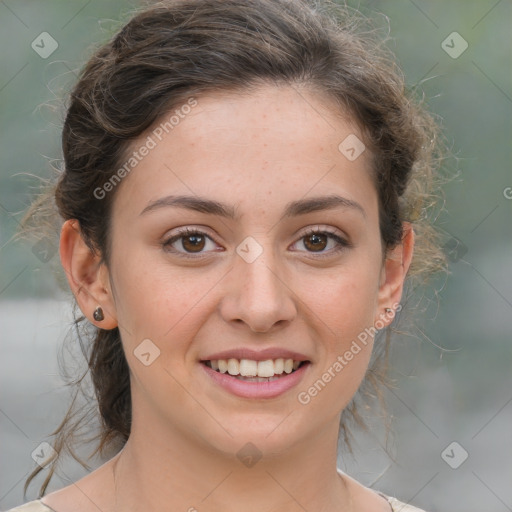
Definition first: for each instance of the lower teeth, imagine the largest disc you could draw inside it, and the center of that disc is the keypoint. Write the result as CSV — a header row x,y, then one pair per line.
x,y
256,379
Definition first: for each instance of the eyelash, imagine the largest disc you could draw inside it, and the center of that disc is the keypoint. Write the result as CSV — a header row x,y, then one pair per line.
x,y
342,244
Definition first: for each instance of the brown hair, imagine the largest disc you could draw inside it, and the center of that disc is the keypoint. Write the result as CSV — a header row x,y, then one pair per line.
x,y
176,49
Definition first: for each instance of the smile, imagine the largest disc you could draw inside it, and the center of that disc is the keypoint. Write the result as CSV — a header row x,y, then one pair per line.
x,y
256,379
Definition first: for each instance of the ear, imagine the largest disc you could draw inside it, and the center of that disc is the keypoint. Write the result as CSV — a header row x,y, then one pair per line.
x,y
87,277
394,271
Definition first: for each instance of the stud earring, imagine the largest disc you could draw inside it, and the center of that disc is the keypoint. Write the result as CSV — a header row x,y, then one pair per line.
x,y
388,311
98,314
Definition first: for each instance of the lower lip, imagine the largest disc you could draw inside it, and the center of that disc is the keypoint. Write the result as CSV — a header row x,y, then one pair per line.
x,y
247,389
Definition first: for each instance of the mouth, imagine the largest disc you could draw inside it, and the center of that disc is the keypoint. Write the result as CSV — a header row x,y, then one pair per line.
x,y
256,379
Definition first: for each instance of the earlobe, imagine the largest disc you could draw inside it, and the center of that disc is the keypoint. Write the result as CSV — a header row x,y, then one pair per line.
x,y
87,277
397,264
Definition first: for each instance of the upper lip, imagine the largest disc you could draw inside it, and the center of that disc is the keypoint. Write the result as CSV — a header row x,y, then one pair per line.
x,y
256,355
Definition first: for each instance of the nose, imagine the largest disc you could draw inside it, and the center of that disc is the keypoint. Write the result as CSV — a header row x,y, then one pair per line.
x,y
259,295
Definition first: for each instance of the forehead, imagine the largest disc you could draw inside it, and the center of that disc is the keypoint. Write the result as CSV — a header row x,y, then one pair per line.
x,y
258,148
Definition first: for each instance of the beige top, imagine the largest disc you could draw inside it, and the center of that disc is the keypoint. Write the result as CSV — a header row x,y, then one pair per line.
x,y
395,505
39,506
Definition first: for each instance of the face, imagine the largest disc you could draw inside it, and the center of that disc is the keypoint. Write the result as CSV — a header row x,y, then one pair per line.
x,y
245,234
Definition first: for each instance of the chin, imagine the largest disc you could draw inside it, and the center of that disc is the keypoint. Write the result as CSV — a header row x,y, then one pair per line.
x,y
259,434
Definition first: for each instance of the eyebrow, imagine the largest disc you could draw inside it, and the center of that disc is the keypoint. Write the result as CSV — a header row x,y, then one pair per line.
x,y
292,209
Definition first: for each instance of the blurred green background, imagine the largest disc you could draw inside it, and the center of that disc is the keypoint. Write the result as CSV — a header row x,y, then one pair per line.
x,y
460,393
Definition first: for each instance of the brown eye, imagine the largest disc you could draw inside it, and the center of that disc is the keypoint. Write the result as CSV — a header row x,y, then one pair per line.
x,y
189,243
316,241
193,243
323,243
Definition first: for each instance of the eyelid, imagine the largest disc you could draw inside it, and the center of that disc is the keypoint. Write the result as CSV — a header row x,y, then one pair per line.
x,y
326,230
189,229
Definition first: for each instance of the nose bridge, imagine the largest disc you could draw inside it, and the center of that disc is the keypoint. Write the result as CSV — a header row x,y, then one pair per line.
x,y
260,281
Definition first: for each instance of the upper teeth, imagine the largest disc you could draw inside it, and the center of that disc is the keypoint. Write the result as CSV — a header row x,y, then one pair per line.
x,y
250,368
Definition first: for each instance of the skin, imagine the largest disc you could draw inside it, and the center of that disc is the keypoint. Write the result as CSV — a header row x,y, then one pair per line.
x,y
255,152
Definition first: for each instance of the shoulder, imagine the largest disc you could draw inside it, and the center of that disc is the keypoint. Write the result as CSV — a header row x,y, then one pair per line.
x,y
366,497
32,506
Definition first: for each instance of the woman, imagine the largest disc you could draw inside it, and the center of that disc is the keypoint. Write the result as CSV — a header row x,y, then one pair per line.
x,y
242,186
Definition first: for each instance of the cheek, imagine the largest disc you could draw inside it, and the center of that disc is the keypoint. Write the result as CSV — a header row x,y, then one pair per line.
x,y
346,310
346,299
158,301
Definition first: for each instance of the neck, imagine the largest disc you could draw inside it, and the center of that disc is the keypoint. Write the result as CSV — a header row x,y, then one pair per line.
x,y
159,469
